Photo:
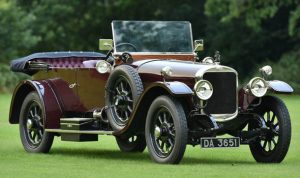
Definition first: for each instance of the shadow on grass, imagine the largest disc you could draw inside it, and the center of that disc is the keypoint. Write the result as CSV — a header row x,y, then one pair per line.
x,y
141,157
100,154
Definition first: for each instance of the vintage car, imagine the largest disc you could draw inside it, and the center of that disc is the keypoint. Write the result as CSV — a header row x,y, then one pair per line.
x,y
150,89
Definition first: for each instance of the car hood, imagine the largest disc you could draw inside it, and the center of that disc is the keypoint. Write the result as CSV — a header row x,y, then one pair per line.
x,y
180,69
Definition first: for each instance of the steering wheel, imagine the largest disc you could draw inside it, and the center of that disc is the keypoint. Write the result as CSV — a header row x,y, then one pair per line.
x,y
125,58
127,44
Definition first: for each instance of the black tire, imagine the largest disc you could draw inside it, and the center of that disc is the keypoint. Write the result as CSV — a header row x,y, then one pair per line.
x,y
123,89
273,147
166,130
136,143
31,125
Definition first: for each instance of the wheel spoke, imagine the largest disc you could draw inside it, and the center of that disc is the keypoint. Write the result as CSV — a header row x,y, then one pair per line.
x,y
171,143
122,86
34,135
162,145
129,109
35,111
270,146
265,144
31,114
165,117
273,118
274,142
41,124
126,114
160,120
40,135
118,91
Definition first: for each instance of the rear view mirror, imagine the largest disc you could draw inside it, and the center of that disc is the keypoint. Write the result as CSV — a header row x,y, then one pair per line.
x,y
105,44
199,45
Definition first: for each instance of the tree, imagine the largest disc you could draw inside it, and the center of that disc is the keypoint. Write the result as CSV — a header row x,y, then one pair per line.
x,y
16,34
252,32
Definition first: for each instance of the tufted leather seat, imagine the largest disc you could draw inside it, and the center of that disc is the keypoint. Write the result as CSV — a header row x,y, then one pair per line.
x,y
69,62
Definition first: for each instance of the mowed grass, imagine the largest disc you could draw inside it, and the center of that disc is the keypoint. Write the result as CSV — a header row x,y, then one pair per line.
x,y
103,158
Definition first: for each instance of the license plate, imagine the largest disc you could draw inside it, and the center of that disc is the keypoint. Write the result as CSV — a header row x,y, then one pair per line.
x,y
211,142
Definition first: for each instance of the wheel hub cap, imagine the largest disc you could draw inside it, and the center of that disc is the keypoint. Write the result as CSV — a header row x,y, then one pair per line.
x,y
157,131
29,124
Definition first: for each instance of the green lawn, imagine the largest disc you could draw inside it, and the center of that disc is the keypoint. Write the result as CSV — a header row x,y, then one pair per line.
x,y
103,159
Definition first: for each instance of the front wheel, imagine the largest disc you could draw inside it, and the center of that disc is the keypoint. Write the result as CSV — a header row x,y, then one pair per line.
x,y
274,144
32,127
166,130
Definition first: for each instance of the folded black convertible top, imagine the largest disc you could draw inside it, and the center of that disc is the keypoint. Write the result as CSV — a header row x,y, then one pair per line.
x,y
19,65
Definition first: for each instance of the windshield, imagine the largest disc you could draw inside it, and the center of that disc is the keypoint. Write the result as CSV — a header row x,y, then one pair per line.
x,y
152,36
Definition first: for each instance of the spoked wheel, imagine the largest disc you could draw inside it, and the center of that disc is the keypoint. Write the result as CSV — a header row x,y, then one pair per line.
x,y
123,101
32,130
163,132
135,143
274,144
166,130
123,89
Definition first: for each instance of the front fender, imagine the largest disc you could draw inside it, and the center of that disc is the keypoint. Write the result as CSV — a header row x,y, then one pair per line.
x,y
136,123
276,86
279,86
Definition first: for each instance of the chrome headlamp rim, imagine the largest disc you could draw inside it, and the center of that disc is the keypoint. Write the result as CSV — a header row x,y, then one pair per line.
x,y
207,86
103,66
260,83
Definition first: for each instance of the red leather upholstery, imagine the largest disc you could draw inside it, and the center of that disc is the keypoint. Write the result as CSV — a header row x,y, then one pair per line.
x,y
68,62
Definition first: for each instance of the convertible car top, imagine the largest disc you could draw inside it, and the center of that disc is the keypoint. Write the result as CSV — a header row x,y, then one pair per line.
x,y
21,64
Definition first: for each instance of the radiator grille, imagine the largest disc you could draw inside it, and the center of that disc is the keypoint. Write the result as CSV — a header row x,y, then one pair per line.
x,y
223,100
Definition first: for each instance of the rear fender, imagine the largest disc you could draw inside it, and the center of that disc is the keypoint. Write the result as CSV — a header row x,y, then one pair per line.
x,y
136,123
53,110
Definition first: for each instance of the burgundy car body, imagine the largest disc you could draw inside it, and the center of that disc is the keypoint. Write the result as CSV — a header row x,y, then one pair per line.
x,y
69,86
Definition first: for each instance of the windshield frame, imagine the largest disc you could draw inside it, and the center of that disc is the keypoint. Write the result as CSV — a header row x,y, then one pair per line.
x,y
153,53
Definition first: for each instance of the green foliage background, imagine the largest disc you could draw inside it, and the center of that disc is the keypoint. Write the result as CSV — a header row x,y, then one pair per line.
x,y
247,33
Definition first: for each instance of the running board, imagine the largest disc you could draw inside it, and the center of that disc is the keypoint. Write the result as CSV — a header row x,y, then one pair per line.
x,y
96,132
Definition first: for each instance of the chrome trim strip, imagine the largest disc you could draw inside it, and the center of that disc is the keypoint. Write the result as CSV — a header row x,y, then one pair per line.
x,y
192,41
157,53
113,35
80,131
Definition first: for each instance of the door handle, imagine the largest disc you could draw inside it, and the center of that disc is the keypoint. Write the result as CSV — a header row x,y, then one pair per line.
x,y
73,85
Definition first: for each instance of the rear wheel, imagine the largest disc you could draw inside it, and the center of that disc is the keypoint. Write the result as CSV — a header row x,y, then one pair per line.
x,y
166,130
272,146
136,143
32,127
